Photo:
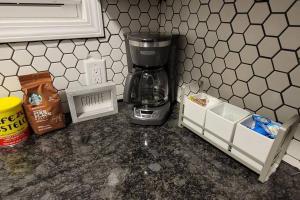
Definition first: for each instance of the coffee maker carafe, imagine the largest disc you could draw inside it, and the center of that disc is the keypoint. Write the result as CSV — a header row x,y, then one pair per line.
x,y
150,83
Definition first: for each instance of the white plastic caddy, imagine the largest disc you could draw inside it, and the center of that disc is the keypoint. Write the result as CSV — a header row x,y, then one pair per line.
x,y
224,126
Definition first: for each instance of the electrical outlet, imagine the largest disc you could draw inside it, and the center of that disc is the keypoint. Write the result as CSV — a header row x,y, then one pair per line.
x,y
95,71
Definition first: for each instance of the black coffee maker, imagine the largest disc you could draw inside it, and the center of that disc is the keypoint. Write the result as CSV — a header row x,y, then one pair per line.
x,y
150,84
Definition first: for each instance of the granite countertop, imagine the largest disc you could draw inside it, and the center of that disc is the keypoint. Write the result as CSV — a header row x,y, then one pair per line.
x,y
108,158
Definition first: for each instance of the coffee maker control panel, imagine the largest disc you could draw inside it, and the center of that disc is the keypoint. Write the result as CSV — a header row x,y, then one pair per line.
x,y
145,114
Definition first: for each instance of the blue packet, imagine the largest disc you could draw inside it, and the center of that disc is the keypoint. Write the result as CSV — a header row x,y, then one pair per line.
x,y
265,126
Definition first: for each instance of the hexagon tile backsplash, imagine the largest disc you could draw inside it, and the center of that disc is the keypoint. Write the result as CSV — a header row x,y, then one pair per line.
x,y
243,52
64,58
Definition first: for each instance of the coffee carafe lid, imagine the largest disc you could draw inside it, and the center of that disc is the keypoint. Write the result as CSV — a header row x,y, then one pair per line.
x,y
148,36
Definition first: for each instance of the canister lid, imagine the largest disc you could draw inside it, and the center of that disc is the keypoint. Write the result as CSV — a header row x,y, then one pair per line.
x,y
148,36
7,103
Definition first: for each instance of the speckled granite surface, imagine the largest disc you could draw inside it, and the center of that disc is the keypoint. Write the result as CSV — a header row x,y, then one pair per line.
x,y
109,158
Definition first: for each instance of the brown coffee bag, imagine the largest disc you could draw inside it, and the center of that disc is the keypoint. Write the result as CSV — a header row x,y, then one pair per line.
x,y
42,103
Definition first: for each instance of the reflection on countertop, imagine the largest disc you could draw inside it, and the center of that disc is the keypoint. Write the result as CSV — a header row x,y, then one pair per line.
x,y
108,158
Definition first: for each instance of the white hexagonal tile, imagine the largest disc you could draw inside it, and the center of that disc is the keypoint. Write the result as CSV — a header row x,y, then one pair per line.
x,y
218,65
115,41
144,5
169,13
221,49
268,47
252,102
25,70
211,39
192,21
144,19
259,12
295,76
213,22
293,14
17,94
257,85
227,13
125,71
201,29
183,28
240,23
109,74
197,60
290,38
244,72
69,60
249,54
116,54
105,49
240,89
254,34
194,6
262,67
22,57
206,69
124,19
224,31
112,11
196,73
12,83
54,54
285,61
153,12
176,6
189,51
209,55
275,84
188,65
5,52
243,6
291,96
176,20
118,78
191,36
225,92
60,83
284,113
267,113
8,68
271,99
114,27
3,92
117,67
40,63
72,74
57,69
216,5
236,42
36,48
184,13
213,92
92,44
79,41
134,26
203,12
215,80
275,24
237,101
228,76
134,12
279,5
123,6
66,46
81,52
232,60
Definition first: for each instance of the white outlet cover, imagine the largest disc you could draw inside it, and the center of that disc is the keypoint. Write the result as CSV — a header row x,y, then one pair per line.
x,y
95,72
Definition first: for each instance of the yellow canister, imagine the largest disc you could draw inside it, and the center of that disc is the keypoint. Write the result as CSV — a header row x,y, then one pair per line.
x,y
13,124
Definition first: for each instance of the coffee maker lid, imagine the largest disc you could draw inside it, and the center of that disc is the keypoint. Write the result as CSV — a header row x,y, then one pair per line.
x,y
148,36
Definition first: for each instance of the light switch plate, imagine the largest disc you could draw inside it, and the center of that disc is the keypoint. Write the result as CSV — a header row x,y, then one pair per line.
x,y
95,71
